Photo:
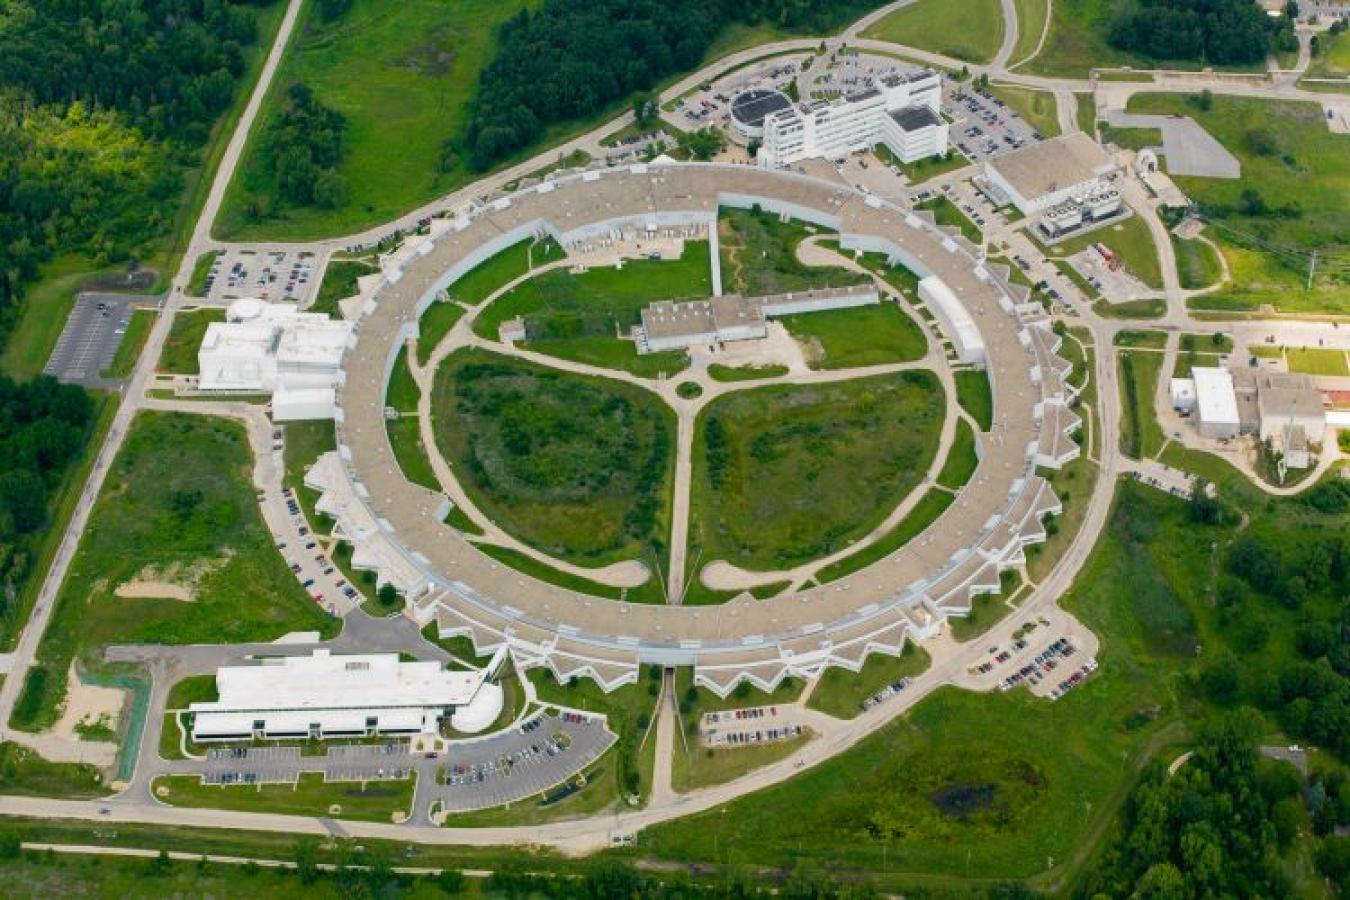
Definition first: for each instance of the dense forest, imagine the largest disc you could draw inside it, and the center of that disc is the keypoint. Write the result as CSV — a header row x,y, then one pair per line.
x,y
103,105
302,150
1222,32
562,60
43,426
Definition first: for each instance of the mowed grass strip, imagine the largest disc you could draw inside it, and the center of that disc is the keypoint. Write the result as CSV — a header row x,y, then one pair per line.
x,y
961,458
1316,361
179,353
1038,108
925,513
159,517
784,474
311,795
969,30
402,72
340,282
1140,434
975,396
577,466
858,336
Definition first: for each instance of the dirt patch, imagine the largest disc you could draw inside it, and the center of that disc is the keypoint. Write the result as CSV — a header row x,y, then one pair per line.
x,y
960,801
435,56
137,280
89,709
153,590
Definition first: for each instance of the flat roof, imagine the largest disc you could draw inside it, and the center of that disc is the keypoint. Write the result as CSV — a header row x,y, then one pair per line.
x,y
912,118
750,107
1214,395
1052,165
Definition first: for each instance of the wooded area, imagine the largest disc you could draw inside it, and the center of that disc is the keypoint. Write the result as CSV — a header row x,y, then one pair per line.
x,y
1222,32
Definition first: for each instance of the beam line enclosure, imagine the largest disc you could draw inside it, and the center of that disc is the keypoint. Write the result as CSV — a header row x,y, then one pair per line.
x,y
397,527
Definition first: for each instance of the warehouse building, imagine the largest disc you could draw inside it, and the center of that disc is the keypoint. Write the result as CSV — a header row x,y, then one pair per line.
x,y
1283,408
1070,168
886,113
325,696
273,348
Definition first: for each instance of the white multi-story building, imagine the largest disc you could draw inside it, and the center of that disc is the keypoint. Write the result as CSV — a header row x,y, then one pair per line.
x,y
324,696
276,349
901,110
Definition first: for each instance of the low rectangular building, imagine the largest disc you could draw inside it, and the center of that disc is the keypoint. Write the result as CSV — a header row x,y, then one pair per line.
x,y
667,325
1043,175
323,696
1216,403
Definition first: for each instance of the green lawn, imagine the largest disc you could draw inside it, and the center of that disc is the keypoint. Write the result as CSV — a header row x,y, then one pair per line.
x,y
1031,15
948,215
924,513
1087,112
975,396
1038,108
200,269
840,457
24,772
759,255
405,438
558,305
179,354
961,459
986,610
132,343
339,283
1130,309
948,27
372,801
922,170
194,523
1333,56
577,466
1316,361
434,325
1197,264
858,336
495,272
1136,339
402,72
403,393
1130,241
1140,434
719,372
1290,199
840,693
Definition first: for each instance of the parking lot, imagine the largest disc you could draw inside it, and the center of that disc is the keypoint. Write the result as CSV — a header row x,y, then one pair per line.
x,y
708,104
390,760
266,274
521,762
983,125
746,727
91,336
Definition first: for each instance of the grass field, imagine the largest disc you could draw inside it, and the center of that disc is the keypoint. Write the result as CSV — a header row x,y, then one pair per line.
x,y
1130,241
374,801
975,396
558,305
649,591
1031,16
132,343
405,439
1316,361
924,513
961,459
840,693
948,27
1131,338
614,353
1087,112
339,283
179,353
1141,436
759,255
858,336
495,272
1290,199
402,72
196,525
1333,56
886,805
1197,264
577,466
840,457
1077,41
1155,308
402,394
434,325
922,170
200,269
1038,108
700,767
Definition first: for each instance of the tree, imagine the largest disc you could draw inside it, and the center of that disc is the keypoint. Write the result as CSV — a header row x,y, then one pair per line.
x,y
646,110
705,143
388,596
306,854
